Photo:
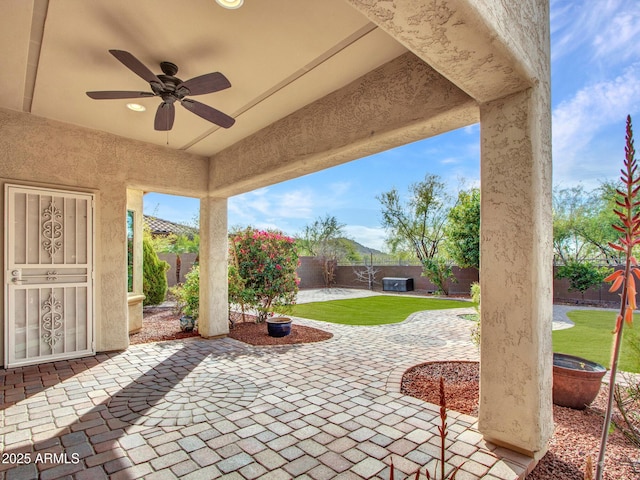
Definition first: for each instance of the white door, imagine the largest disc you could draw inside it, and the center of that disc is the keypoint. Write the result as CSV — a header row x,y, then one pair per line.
x,y
48,275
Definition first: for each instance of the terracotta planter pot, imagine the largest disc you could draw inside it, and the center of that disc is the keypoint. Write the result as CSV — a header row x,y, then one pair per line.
x,y
279,326
576,381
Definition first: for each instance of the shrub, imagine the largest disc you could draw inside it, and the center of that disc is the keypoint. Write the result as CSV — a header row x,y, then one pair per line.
x,y
188,295
438,271
475,296
263,273
154,274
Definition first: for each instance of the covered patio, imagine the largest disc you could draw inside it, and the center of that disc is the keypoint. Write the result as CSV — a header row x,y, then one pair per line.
x,y
314,84
205,409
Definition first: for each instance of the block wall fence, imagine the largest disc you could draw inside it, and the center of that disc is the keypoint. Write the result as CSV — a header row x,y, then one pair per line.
x,y
310,273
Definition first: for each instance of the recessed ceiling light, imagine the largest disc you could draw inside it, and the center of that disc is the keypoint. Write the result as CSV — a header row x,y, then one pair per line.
x,y
136,107
230,4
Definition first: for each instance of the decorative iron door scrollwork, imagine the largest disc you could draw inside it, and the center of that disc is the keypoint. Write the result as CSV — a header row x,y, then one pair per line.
x,y
52,229
51,321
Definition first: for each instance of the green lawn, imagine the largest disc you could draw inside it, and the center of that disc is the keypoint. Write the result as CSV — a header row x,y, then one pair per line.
x,y
592,339
377,310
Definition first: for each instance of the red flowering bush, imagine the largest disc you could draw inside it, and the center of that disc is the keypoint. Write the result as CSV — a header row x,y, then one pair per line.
x,y
263,271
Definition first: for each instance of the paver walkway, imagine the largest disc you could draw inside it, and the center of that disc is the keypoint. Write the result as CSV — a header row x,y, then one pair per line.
x,y
204,409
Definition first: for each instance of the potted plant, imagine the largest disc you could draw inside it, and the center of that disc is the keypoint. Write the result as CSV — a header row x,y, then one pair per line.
x,y
576,381
278,326
188,299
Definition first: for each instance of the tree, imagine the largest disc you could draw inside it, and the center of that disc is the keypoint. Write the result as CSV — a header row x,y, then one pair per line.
x,y
581,222
367,274
419,225
582,275
463,229
264,270
325,239
179,245
154,273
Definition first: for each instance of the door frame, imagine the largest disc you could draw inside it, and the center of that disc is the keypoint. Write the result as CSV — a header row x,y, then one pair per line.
x,y
91,276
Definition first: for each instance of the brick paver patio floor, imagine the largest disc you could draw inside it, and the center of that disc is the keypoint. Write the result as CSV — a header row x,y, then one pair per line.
x,y
204,409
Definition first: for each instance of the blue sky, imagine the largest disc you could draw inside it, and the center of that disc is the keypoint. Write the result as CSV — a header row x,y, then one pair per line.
x,y
595,83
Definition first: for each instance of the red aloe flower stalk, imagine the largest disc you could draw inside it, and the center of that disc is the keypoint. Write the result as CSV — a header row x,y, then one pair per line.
x,y
442,429
624,280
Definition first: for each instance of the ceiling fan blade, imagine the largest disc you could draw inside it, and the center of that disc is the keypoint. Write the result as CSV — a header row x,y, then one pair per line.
x,y
115,95
208,83
208,113
165,115
136,66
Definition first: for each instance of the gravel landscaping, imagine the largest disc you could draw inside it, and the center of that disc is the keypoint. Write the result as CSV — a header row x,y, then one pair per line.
x,y
577,432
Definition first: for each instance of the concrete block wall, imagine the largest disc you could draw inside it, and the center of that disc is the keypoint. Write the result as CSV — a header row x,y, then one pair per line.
x,y
310,273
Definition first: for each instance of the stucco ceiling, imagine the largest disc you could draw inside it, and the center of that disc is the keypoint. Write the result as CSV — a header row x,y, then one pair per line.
x,y
279,55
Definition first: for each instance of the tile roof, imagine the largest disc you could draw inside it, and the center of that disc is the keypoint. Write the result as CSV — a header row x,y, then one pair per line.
x,y
159,226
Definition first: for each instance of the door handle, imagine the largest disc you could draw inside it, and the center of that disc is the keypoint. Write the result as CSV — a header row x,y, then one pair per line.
x,y
16,276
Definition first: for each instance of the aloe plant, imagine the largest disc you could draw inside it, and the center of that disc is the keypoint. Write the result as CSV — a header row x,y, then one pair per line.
x,y
442,432
623,280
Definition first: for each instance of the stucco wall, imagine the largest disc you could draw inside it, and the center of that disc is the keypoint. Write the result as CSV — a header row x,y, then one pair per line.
x,y
54,154
403,101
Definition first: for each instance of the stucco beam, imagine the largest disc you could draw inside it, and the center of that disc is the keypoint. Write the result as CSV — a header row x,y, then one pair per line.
x,y
403,101
484,47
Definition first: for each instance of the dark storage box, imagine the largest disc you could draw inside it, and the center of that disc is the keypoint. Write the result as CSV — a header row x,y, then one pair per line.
x,y
395,284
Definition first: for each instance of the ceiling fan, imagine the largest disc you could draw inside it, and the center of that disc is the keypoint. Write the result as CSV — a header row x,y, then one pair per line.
x,y
171,89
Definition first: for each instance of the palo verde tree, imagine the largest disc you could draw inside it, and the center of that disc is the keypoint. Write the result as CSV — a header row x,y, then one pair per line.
x,y
418,225
581,222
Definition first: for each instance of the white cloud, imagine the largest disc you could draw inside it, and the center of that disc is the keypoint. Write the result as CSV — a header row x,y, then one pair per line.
x,y
247,208
450,161
372,237
472,129
294,204
619,35
271,207
339,189
578,121
611,28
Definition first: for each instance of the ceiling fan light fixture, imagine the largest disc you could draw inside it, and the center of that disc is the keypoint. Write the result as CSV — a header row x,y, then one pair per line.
x,y
136,107
230,4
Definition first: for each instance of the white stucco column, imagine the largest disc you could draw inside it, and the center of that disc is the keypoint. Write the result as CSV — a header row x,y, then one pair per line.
x,y
516,272
214,316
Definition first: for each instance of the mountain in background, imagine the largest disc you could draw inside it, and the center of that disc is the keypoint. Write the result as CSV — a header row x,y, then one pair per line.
x,y
361,249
